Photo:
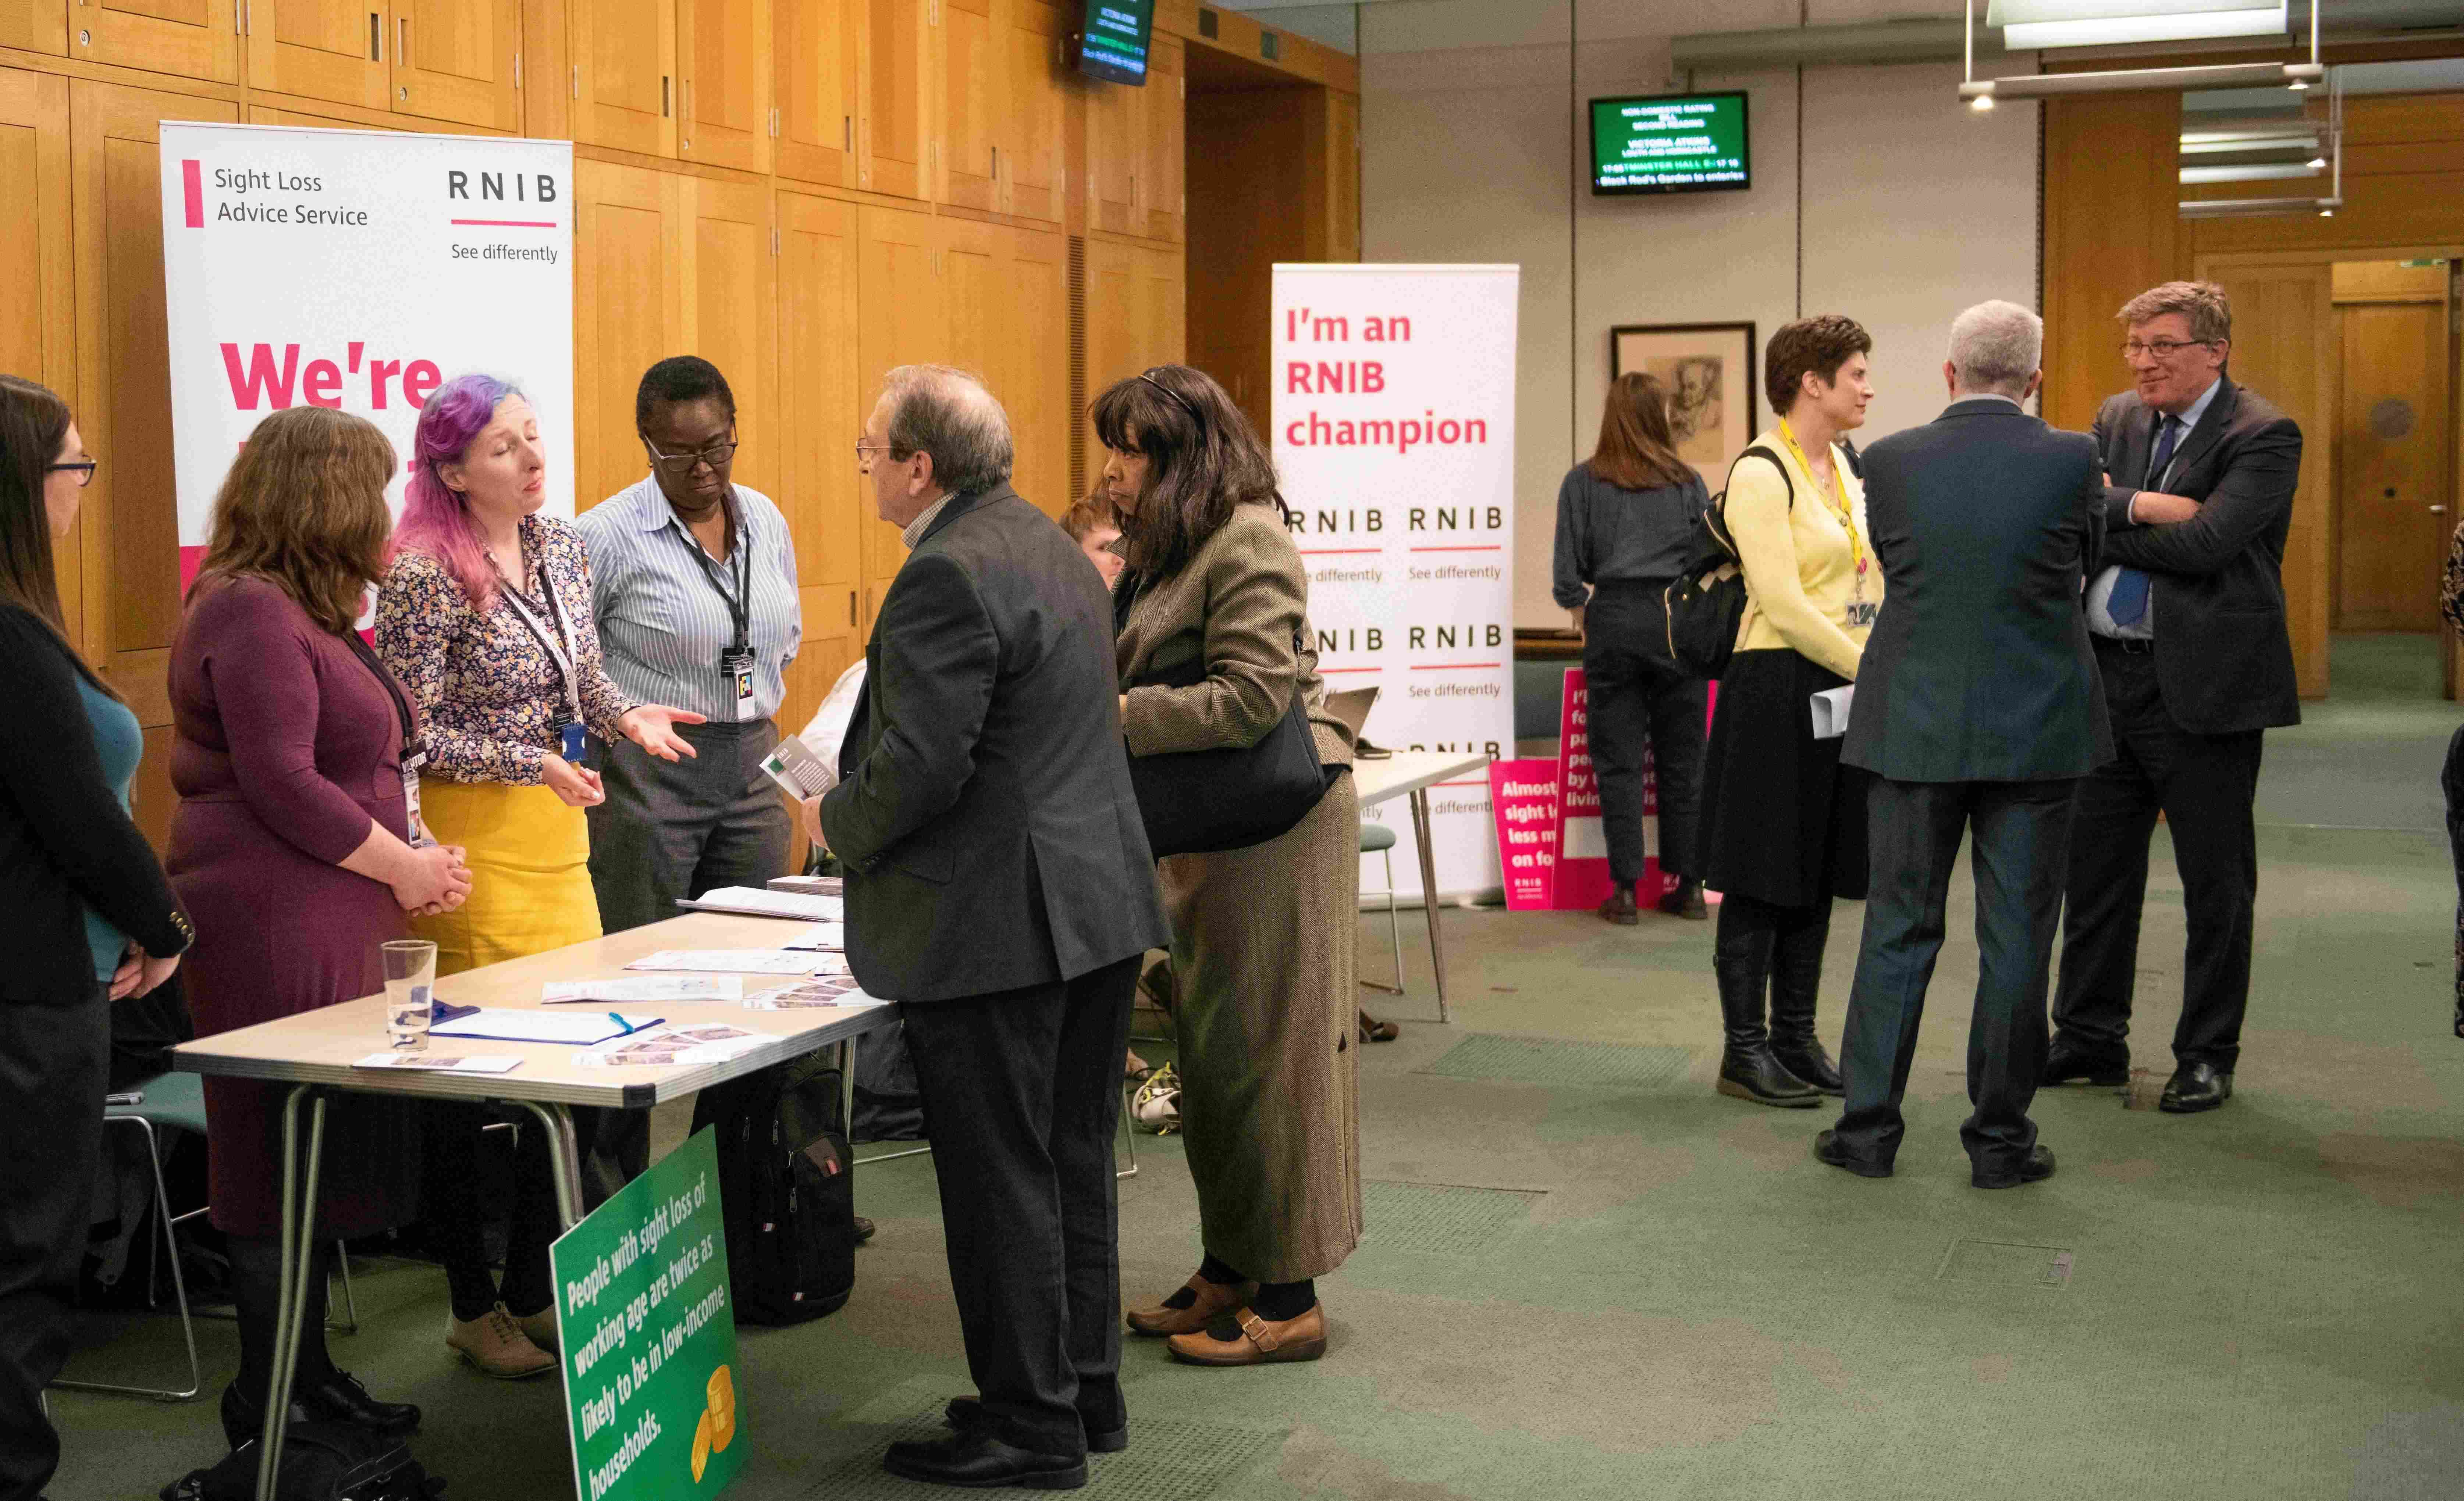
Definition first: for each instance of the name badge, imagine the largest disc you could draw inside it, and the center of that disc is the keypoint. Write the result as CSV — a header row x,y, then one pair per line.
x,y
575,746
737,667
420,838
1861,612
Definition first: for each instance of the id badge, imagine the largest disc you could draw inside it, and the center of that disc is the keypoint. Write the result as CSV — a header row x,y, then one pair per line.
x,y
737,665
576,747
420,838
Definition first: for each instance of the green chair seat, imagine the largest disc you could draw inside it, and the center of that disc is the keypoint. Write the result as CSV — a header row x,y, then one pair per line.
x,y
1375,837
176,1098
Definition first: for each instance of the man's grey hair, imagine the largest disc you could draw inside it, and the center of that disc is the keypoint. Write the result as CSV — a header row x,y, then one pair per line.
x,y
948,414
1996,347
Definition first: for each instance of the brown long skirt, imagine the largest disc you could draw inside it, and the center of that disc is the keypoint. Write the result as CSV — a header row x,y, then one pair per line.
x,y
1264,971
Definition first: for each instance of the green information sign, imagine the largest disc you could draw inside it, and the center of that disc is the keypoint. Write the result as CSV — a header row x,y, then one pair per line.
x,y
1671,144
642,1318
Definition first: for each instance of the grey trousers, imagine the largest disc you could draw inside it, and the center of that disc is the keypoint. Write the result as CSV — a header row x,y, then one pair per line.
x,y
676,829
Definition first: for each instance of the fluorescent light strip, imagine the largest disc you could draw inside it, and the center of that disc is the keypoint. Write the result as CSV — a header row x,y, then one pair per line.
x,y
2250,172
2128,29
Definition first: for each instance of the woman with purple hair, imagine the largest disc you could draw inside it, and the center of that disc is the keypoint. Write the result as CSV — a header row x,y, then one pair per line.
x,y
485,617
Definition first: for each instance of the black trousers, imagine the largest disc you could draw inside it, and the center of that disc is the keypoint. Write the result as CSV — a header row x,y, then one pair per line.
x,y
53,1062
1642,704
1022,1094
2021,832
2205,785
2450,781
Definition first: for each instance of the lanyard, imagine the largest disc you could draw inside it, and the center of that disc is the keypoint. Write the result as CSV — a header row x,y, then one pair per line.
x,y
739,605
552,643
1839,498
412,753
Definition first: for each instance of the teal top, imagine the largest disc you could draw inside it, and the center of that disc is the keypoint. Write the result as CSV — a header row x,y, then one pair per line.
x,y
122,745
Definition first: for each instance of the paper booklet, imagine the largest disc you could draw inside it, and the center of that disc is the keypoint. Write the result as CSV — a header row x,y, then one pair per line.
x,y
793,766
743,961
442,1063
506,1023
830,936
838,989
700,1042
754,902
1831,711
645,987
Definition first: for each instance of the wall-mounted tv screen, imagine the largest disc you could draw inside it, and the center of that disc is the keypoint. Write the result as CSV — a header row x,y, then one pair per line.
x,y
1113,44
1670,144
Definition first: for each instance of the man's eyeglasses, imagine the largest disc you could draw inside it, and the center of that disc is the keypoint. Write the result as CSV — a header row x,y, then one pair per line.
x,y
84,471
716,454
2162,348
863,451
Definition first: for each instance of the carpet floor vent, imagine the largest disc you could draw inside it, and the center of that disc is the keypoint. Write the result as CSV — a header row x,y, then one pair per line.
x,y
1442,1219
1994,1263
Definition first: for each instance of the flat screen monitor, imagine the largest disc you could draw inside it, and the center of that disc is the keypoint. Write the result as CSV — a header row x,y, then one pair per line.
x,y
1113,44
1670,144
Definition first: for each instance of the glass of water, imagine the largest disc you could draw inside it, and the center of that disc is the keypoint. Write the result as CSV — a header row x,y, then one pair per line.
x,y
410,983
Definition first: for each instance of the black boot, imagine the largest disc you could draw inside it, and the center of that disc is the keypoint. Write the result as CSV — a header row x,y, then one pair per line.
x,y
1741,957
1796,975
319,1391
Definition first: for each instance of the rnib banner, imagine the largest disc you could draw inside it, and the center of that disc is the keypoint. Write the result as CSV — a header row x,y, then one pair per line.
x,y
1394,430
359,270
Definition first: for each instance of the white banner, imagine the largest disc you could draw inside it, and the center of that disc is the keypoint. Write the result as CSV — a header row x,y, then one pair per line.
x,y
1394,433
359,270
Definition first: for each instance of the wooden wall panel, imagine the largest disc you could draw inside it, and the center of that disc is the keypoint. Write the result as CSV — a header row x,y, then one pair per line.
x,y
815,86
36,26
2112,165
732,315
455,61
818,389
723,47
628,283
38,319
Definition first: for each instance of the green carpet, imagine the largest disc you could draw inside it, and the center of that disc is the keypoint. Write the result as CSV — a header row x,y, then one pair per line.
x,y
1627,1285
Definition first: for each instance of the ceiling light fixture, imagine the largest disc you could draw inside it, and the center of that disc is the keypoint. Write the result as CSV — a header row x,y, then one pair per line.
x,y
2036,25
2296,76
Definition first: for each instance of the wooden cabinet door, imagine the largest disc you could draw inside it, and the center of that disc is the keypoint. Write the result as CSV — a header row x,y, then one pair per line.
x,y
1160,204
129,523
624,75
892,113
1035,370
974,112
628,296
1034,157
543,72
725,106
192,38
456,59
36,26
1116,148
731,311
38,319
818,489
336,49
899,321
816,83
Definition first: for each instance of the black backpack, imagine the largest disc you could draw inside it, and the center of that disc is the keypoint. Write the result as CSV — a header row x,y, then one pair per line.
x,y
1707,602
320,1462
787,1184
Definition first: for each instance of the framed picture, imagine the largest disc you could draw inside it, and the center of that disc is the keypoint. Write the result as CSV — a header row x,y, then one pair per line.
x,y
1708,370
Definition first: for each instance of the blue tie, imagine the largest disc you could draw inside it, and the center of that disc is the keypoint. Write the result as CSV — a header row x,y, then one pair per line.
x,y
2127,604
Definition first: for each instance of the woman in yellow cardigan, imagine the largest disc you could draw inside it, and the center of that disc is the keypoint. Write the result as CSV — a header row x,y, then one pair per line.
x,y
1783,821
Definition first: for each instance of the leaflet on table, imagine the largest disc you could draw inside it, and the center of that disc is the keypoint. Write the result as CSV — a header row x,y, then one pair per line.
x,y
829,936
743,961
645,987
442,1063
837,990
754,902
698,1042
509,1024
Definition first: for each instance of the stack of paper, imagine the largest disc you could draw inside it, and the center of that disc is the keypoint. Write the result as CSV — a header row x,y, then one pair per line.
x,y
702,1042
829,936
743,961
645,987
442,1063
838,989
754,902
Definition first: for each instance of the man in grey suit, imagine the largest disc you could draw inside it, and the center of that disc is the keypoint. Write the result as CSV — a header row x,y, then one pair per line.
x,y
1000,890
1976,708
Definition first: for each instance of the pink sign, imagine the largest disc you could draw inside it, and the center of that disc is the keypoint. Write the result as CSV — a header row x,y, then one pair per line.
x,y
1524,796
1582,842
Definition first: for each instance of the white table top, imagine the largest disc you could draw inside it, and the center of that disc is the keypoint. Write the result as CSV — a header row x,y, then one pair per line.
x,y
319,1046
1409,771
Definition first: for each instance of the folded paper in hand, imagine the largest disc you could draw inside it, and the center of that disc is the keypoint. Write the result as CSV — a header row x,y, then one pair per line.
x,y
808,764
1831,711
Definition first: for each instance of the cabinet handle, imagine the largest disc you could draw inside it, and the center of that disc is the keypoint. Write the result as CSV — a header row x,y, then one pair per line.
x,y
846,127
996,163
376,37
401,40
850,607
664,89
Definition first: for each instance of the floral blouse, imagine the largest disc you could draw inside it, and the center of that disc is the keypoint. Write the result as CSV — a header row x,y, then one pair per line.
x,y
491,696
2450,590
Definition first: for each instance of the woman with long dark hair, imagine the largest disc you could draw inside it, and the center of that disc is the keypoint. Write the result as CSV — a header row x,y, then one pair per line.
x,y
86,918
1783,821
1263,937
1625,520
295,847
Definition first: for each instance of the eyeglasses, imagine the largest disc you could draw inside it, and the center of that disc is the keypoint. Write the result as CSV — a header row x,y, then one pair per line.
x,y
716,454
2163,348
84,472
864,450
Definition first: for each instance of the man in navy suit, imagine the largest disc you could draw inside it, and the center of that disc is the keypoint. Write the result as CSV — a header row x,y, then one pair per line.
x,y
2186,602
1978,711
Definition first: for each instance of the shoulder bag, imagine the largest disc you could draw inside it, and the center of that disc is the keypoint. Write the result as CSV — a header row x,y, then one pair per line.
x,y
1707,602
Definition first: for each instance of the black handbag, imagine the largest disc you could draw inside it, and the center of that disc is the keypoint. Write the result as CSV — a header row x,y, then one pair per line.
x,y
1707,602
322,1461
1199,802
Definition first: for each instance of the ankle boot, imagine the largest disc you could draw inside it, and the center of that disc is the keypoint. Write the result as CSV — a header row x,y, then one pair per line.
x,y
1748,1071
1796,975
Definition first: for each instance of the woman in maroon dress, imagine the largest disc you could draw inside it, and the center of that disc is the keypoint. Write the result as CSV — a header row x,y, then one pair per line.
x,y
290,850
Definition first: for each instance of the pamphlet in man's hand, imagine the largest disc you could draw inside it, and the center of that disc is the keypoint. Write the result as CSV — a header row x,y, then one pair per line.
x,y
793,766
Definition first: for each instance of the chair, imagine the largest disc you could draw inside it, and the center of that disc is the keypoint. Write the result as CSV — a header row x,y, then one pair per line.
x,y
1376,839
178,1101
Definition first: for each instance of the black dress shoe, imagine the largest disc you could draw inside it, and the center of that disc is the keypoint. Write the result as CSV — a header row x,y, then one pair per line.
x,y
1829,1148
2196,1087
980,1461
864,1230
1686,900
339,1397
2036,1167
966,1414
2068,1063
1620,907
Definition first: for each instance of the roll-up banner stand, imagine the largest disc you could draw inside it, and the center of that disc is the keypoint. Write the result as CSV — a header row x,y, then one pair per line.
x,y
1394,430
359,270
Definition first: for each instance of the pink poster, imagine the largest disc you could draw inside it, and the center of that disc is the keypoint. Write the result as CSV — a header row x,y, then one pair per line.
x,y
1583,878
1525,795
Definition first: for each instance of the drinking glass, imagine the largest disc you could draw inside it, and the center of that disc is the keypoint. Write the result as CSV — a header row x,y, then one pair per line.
x,y
411,983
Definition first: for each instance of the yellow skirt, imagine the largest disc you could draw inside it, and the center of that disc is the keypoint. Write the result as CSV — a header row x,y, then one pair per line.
x,y
529,872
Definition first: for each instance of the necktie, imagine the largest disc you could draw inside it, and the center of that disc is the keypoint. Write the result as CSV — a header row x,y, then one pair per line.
x,y
2127,604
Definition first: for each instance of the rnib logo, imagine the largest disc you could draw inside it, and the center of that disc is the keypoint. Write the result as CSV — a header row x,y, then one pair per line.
x,y
504,187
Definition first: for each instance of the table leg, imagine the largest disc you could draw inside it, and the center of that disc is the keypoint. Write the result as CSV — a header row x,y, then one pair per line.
x,y
563,1156
846,1087
1419,801
298,1227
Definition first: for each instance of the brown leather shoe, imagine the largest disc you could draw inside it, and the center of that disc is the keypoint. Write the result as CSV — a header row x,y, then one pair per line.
x,y
1256,1342
1620,907
1214,1300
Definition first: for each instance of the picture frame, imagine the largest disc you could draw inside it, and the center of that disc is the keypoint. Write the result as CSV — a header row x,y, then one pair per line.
x,y
1713,382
